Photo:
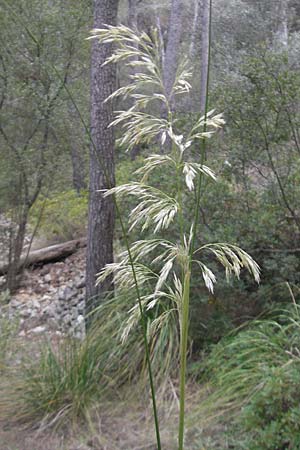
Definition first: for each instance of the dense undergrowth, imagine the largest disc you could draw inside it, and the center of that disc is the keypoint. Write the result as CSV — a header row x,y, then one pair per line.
x,y
249,381
253,376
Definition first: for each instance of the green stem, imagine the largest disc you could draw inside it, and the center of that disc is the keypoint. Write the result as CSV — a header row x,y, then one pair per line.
x,y
180,205
186,288
184,328
107,178
203,146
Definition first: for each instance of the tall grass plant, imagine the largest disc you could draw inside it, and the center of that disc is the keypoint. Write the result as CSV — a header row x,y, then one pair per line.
x,y
164,278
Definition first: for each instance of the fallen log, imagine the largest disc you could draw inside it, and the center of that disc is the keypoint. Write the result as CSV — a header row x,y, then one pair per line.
x,y
46,255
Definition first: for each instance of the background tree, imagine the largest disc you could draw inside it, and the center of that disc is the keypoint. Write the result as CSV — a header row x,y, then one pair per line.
x,y
204,57
101,210
33,76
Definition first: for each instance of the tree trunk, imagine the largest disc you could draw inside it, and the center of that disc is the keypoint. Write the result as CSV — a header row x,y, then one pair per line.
x,y
101,210
132,23
44,255
170,58
192,49
280,41
132,14
204,52
161,39
173,44
17,237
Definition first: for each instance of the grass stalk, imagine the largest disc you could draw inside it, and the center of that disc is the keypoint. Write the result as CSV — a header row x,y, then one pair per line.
x,y
186,296
184,327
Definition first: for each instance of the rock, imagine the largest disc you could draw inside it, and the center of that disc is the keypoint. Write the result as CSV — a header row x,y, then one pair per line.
x,y
60,294
14,303
80,283
38,330
49,311
67,319
35,304
52,323
25,313
74,302
80,320
81,306
48,278
68,293
44,270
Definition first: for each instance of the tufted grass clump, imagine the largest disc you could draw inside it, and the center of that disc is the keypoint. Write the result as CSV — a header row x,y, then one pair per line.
x,y
157,268
66,377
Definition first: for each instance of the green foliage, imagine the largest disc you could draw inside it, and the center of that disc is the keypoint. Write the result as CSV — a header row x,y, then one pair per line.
x,y
258,165
254,376
63,215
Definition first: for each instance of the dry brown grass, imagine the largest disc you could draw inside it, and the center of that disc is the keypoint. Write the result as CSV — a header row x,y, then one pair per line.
x,y
126,424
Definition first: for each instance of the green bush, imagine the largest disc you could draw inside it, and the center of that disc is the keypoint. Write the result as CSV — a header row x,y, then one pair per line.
x,y
255,378
63,216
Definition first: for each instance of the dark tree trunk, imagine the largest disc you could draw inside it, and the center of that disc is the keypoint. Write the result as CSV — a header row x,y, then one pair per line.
x,y
101,210
132,23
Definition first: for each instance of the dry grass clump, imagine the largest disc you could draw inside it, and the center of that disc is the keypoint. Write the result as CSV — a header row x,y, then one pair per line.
x,y
56,380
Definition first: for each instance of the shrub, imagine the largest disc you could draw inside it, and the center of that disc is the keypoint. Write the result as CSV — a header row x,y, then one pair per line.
x,y
255,378
63,216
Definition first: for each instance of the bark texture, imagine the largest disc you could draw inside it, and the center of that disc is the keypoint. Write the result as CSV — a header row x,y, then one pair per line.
x,y
193,44
281,33
204,52
173,44
101,210
132,14
132,20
